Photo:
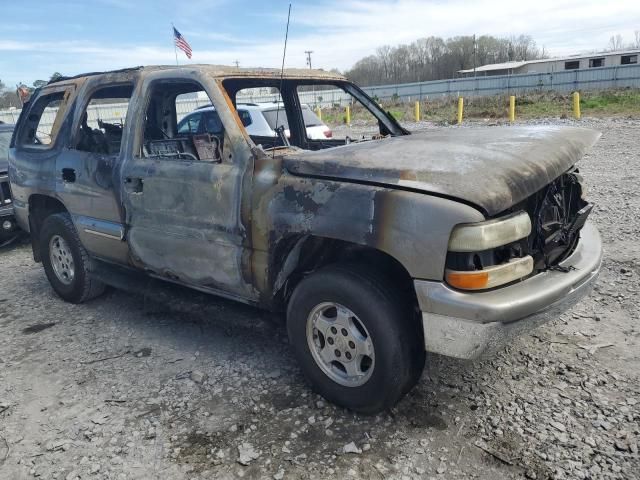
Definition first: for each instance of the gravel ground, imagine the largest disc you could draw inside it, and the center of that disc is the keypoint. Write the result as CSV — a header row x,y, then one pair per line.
x,y
127,388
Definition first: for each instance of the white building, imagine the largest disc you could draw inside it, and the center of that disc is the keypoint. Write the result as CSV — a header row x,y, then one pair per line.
x,y
558,64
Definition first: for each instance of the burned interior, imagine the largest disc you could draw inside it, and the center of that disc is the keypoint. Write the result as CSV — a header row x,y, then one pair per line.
x,y
94,135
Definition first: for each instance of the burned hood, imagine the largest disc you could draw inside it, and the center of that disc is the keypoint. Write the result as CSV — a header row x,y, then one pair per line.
x,y
490,167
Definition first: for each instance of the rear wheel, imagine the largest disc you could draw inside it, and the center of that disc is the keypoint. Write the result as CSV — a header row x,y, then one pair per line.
x,y
355,338
66,262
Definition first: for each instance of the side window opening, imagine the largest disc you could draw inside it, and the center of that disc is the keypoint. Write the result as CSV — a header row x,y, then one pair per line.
x,y
173,132
44,120
102,122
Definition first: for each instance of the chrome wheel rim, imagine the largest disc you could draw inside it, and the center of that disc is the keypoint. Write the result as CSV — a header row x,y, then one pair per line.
x,y
61,259
340,344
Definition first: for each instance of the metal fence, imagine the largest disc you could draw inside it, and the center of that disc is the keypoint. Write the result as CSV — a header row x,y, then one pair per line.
x,y
564,81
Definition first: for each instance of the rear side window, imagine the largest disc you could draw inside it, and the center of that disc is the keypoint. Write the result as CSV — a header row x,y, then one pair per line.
x,y
310,118
44,120
245,116
212,123
189,124
276,118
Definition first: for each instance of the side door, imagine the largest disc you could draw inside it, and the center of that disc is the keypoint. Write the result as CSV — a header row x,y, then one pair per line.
x,y
183,193
87,178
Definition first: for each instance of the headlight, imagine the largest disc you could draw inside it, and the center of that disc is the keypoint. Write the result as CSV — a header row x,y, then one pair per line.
x,y
476,237
491,276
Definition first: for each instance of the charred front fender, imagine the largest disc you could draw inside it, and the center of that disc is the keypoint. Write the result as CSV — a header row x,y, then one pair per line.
x,y
411,227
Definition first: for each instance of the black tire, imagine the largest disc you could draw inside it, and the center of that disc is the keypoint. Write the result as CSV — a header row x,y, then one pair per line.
x,y
390,321
82,286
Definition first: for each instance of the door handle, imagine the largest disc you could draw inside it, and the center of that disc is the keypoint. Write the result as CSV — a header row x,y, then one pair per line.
x,y
68,175
133,184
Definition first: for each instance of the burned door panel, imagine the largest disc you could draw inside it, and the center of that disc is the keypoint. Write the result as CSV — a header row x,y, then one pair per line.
x,y
183,220
86,178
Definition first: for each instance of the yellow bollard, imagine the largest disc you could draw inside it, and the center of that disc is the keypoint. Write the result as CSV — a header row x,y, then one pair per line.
x,y
460,109
348,115
319,113
576,105
417,111
512,108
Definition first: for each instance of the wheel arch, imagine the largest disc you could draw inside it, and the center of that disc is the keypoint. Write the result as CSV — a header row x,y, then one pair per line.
x,y
297,256
40,207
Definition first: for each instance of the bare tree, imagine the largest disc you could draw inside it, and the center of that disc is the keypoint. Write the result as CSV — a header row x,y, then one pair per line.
x,y
637,39
616,43
433,58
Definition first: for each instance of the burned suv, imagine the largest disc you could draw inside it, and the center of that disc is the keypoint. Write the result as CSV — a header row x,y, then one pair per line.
x,y
378,244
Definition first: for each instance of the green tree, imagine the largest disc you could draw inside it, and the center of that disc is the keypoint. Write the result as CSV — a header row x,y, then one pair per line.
x,y
39,83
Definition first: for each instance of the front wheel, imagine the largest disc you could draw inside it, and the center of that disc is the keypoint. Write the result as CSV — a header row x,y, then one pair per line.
x,y
66,262
355,337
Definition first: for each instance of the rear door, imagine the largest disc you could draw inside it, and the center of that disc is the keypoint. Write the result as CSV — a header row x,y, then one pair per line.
x,y
87,170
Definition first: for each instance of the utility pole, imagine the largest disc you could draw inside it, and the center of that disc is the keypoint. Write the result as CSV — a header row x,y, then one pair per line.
x,y
475,49
313,87
237,64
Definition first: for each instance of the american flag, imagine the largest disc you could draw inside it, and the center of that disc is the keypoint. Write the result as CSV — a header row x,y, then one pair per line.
x,y
182,43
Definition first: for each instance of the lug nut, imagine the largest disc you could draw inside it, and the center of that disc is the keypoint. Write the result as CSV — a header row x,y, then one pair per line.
x,y
344,332
351,344
330,341
337,353
348,355
334,330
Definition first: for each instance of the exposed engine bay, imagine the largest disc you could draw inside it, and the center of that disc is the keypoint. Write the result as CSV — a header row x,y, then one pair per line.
x,y
557,213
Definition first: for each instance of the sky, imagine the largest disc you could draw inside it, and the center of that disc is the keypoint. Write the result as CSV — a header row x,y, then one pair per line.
x,y
40,37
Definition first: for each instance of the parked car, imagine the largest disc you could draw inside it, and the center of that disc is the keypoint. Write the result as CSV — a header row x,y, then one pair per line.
x,y
8,225
259,119
448,241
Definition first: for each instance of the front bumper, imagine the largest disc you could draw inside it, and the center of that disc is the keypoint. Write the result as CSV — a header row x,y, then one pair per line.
x,y
469,324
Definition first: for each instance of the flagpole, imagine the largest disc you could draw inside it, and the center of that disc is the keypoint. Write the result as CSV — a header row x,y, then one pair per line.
x,y
173,39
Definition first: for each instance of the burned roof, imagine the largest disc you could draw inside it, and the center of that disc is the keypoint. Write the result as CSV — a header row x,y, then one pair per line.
x,y
219,71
